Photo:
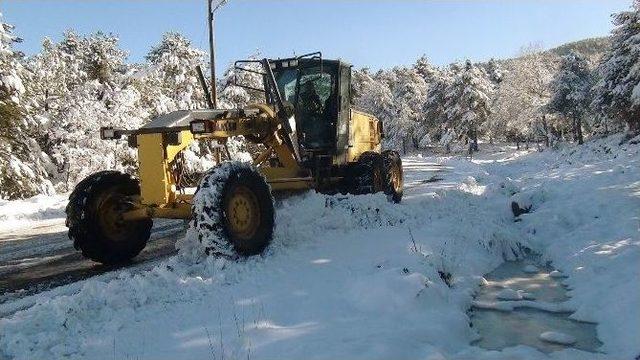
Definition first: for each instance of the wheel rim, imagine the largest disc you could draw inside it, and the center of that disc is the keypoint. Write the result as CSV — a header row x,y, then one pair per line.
x,y
110,209
243,213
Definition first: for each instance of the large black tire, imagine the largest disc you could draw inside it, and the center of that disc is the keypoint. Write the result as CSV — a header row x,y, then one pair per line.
x,y
393,175
367,174
94,222
233,211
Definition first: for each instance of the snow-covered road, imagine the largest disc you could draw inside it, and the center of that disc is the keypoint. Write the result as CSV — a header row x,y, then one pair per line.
x,y
42,257
358,278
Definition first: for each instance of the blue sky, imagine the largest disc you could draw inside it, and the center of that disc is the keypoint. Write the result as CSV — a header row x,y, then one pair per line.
x,y
375,34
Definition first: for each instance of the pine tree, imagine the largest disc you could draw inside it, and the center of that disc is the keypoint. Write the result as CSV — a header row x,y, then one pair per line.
x,y
169,80
433,109
467,102
79,85
571,90
22,163
617,93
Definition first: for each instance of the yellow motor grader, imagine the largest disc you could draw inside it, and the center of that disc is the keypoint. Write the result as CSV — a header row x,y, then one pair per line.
x,y
312,137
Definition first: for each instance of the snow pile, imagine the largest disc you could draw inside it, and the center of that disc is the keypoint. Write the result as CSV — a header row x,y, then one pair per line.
x,y
23,213
351,277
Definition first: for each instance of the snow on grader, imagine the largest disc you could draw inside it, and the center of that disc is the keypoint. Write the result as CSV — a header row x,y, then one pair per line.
x,y
313,139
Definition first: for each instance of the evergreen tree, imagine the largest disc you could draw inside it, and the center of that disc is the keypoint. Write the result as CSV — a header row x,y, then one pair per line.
x,y
571,90
617,93
467,102
170,82
433,109
22,163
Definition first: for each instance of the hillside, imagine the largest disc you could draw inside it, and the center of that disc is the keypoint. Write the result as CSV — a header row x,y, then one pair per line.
x,y
592,47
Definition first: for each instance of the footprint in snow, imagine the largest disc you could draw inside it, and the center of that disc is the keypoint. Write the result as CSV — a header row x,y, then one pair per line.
x,y
557,338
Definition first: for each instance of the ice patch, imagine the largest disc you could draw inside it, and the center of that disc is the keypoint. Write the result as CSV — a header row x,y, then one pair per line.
x,y
510,294
557,338
556,274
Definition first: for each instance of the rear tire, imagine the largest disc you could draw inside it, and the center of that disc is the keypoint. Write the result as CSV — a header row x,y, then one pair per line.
x,y
368,174
233,211
94,218
393,175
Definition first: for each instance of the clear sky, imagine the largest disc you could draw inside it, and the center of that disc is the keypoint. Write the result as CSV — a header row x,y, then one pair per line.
x,y
375,34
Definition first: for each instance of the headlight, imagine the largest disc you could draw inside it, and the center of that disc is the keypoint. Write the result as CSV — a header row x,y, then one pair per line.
x,y
107,133
198,127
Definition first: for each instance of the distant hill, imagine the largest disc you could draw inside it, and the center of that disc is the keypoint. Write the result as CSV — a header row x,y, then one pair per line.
x,y
592,48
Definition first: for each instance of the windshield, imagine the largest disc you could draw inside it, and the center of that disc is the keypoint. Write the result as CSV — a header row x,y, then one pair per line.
x,y
286,80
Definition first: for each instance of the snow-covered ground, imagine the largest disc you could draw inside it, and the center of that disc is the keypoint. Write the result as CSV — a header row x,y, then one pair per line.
x,y
359,278
38,210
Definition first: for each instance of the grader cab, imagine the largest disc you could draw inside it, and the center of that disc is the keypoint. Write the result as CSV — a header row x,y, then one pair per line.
x,y
312,137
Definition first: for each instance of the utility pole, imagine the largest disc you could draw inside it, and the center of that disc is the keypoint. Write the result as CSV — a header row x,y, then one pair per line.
x,y
212,53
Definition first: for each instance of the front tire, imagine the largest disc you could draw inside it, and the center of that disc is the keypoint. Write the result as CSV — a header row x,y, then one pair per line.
x,y
233,211
94,218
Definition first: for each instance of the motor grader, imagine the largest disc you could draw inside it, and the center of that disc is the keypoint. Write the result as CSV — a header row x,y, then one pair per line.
x,y
312,139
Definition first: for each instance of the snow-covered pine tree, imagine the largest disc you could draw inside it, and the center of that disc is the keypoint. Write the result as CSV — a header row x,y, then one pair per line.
x,y
169,81
93,92
467,102
22,163
617,93
433,110
409,90
571,88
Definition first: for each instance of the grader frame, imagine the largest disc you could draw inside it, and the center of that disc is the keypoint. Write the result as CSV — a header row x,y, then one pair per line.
x,y
161,141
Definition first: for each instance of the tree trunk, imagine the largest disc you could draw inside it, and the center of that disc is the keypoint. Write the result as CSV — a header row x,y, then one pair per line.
x,y
546,130
579,131
472,136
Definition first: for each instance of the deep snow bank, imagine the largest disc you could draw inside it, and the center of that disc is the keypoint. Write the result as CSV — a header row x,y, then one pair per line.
x,y
346,277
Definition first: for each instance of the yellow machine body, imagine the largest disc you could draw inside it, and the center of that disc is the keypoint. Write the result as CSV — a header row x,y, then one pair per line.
x,y
160,143
365,134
